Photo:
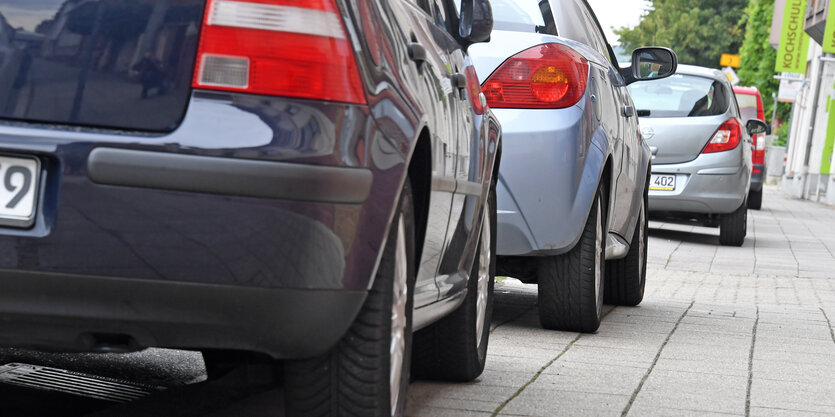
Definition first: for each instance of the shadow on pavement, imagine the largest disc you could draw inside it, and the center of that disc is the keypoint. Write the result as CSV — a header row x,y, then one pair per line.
x,y
688,237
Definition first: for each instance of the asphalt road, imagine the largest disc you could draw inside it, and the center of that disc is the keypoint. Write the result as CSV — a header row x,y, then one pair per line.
x,y
722,331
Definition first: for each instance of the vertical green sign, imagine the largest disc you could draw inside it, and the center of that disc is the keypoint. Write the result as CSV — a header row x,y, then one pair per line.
x,y
794,42
829,143
829,32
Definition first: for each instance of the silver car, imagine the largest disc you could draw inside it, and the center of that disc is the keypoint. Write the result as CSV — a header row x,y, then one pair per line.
x,y
701,150
572,185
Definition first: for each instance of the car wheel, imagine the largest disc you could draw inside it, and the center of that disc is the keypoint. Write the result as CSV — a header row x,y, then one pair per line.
x,y
755,200
626,277
455,348
571,285
733,227
367,372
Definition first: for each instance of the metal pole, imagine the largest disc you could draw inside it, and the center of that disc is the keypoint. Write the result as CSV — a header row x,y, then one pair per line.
x,y
774,114
813,119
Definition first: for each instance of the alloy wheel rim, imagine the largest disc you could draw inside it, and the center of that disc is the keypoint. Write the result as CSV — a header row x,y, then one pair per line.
x,y
483,284
641,240
400,294
598,249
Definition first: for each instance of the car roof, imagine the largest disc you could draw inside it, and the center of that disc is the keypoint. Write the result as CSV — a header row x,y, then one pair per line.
x,y
701,71
746,90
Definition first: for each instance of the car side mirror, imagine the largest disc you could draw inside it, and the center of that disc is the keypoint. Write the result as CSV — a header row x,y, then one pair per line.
x,y
476,23
651,63
756,127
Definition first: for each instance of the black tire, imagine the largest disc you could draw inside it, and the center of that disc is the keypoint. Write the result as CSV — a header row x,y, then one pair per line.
x,y
627,277
733,227
453,349
755,199
571,285
353,378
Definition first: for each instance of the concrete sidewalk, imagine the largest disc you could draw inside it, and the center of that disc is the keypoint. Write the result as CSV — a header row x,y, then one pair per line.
x,y
721,331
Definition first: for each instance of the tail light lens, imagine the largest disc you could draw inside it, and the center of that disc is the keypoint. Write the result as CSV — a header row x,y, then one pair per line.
x,y
291,48
548,76
726,138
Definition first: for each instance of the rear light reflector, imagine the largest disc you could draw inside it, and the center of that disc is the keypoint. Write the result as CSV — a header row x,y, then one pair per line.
x,y
759,142
547,76
474,90
288,48
757,171
727,137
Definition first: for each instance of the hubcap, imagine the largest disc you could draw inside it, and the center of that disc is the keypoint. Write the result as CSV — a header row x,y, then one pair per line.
x,y
484,257
598,256
398,315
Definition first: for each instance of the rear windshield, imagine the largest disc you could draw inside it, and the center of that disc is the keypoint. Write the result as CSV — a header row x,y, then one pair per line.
x,y
680,96
747,106
123,64
532,16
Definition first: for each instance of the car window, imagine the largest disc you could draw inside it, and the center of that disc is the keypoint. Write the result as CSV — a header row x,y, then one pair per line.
x,y
532,16
747,106
572,22
596,35
681,96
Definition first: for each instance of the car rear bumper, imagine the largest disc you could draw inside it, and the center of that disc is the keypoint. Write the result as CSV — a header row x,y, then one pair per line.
x,y
711,184
88,313
255,221
547,179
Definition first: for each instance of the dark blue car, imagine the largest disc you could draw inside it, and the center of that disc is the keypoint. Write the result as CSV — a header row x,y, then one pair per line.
x,y
310,180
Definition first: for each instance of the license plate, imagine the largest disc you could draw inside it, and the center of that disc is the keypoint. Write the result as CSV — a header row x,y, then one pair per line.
x,y
662,182
18,190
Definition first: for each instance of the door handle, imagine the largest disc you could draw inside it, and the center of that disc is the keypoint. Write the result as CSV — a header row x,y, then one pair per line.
x,y
654,151
627,111
417,52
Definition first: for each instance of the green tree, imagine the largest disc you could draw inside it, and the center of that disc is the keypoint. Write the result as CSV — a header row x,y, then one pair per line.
x,y
699,31
758,57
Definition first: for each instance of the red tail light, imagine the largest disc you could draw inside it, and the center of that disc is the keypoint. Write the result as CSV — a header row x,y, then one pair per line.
x,y
726,137
291,48
548,76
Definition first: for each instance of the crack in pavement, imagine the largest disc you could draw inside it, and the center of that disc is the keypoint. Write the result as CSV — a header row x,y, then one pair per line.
x,y
535,377
541,370
831,330
751,365
655,361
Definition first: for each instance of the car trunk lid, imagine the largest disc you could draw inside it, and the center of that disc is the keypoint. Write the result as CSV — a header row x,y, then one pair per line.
x,y
679,139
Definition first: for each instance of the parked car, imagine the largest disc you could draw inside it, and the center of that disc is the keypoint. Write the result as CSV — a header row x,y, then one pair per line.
x,y
572,187
751,107
701,167
185,176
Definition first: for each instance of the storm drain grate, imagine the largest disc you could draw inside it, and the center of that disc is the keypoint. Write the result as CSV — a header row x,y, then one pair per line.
x,y
52,379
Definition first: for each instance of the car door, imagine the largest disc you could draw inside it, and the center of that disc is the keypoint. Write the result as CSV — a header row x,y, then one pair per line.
x,y
453,270
427,20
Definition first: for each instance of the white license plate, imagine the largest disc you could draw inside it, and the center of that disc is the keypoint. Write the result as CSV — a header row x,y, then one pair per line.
x,y
18,190
662,182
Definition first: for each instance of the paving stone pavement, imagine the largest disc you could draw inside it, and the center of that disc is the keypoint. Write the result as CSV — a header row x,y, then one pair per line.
x,y
721,331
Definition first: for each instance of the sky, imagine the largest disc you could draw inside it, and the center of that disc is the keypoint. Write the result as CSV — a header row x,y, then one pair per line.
x,y
617,13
